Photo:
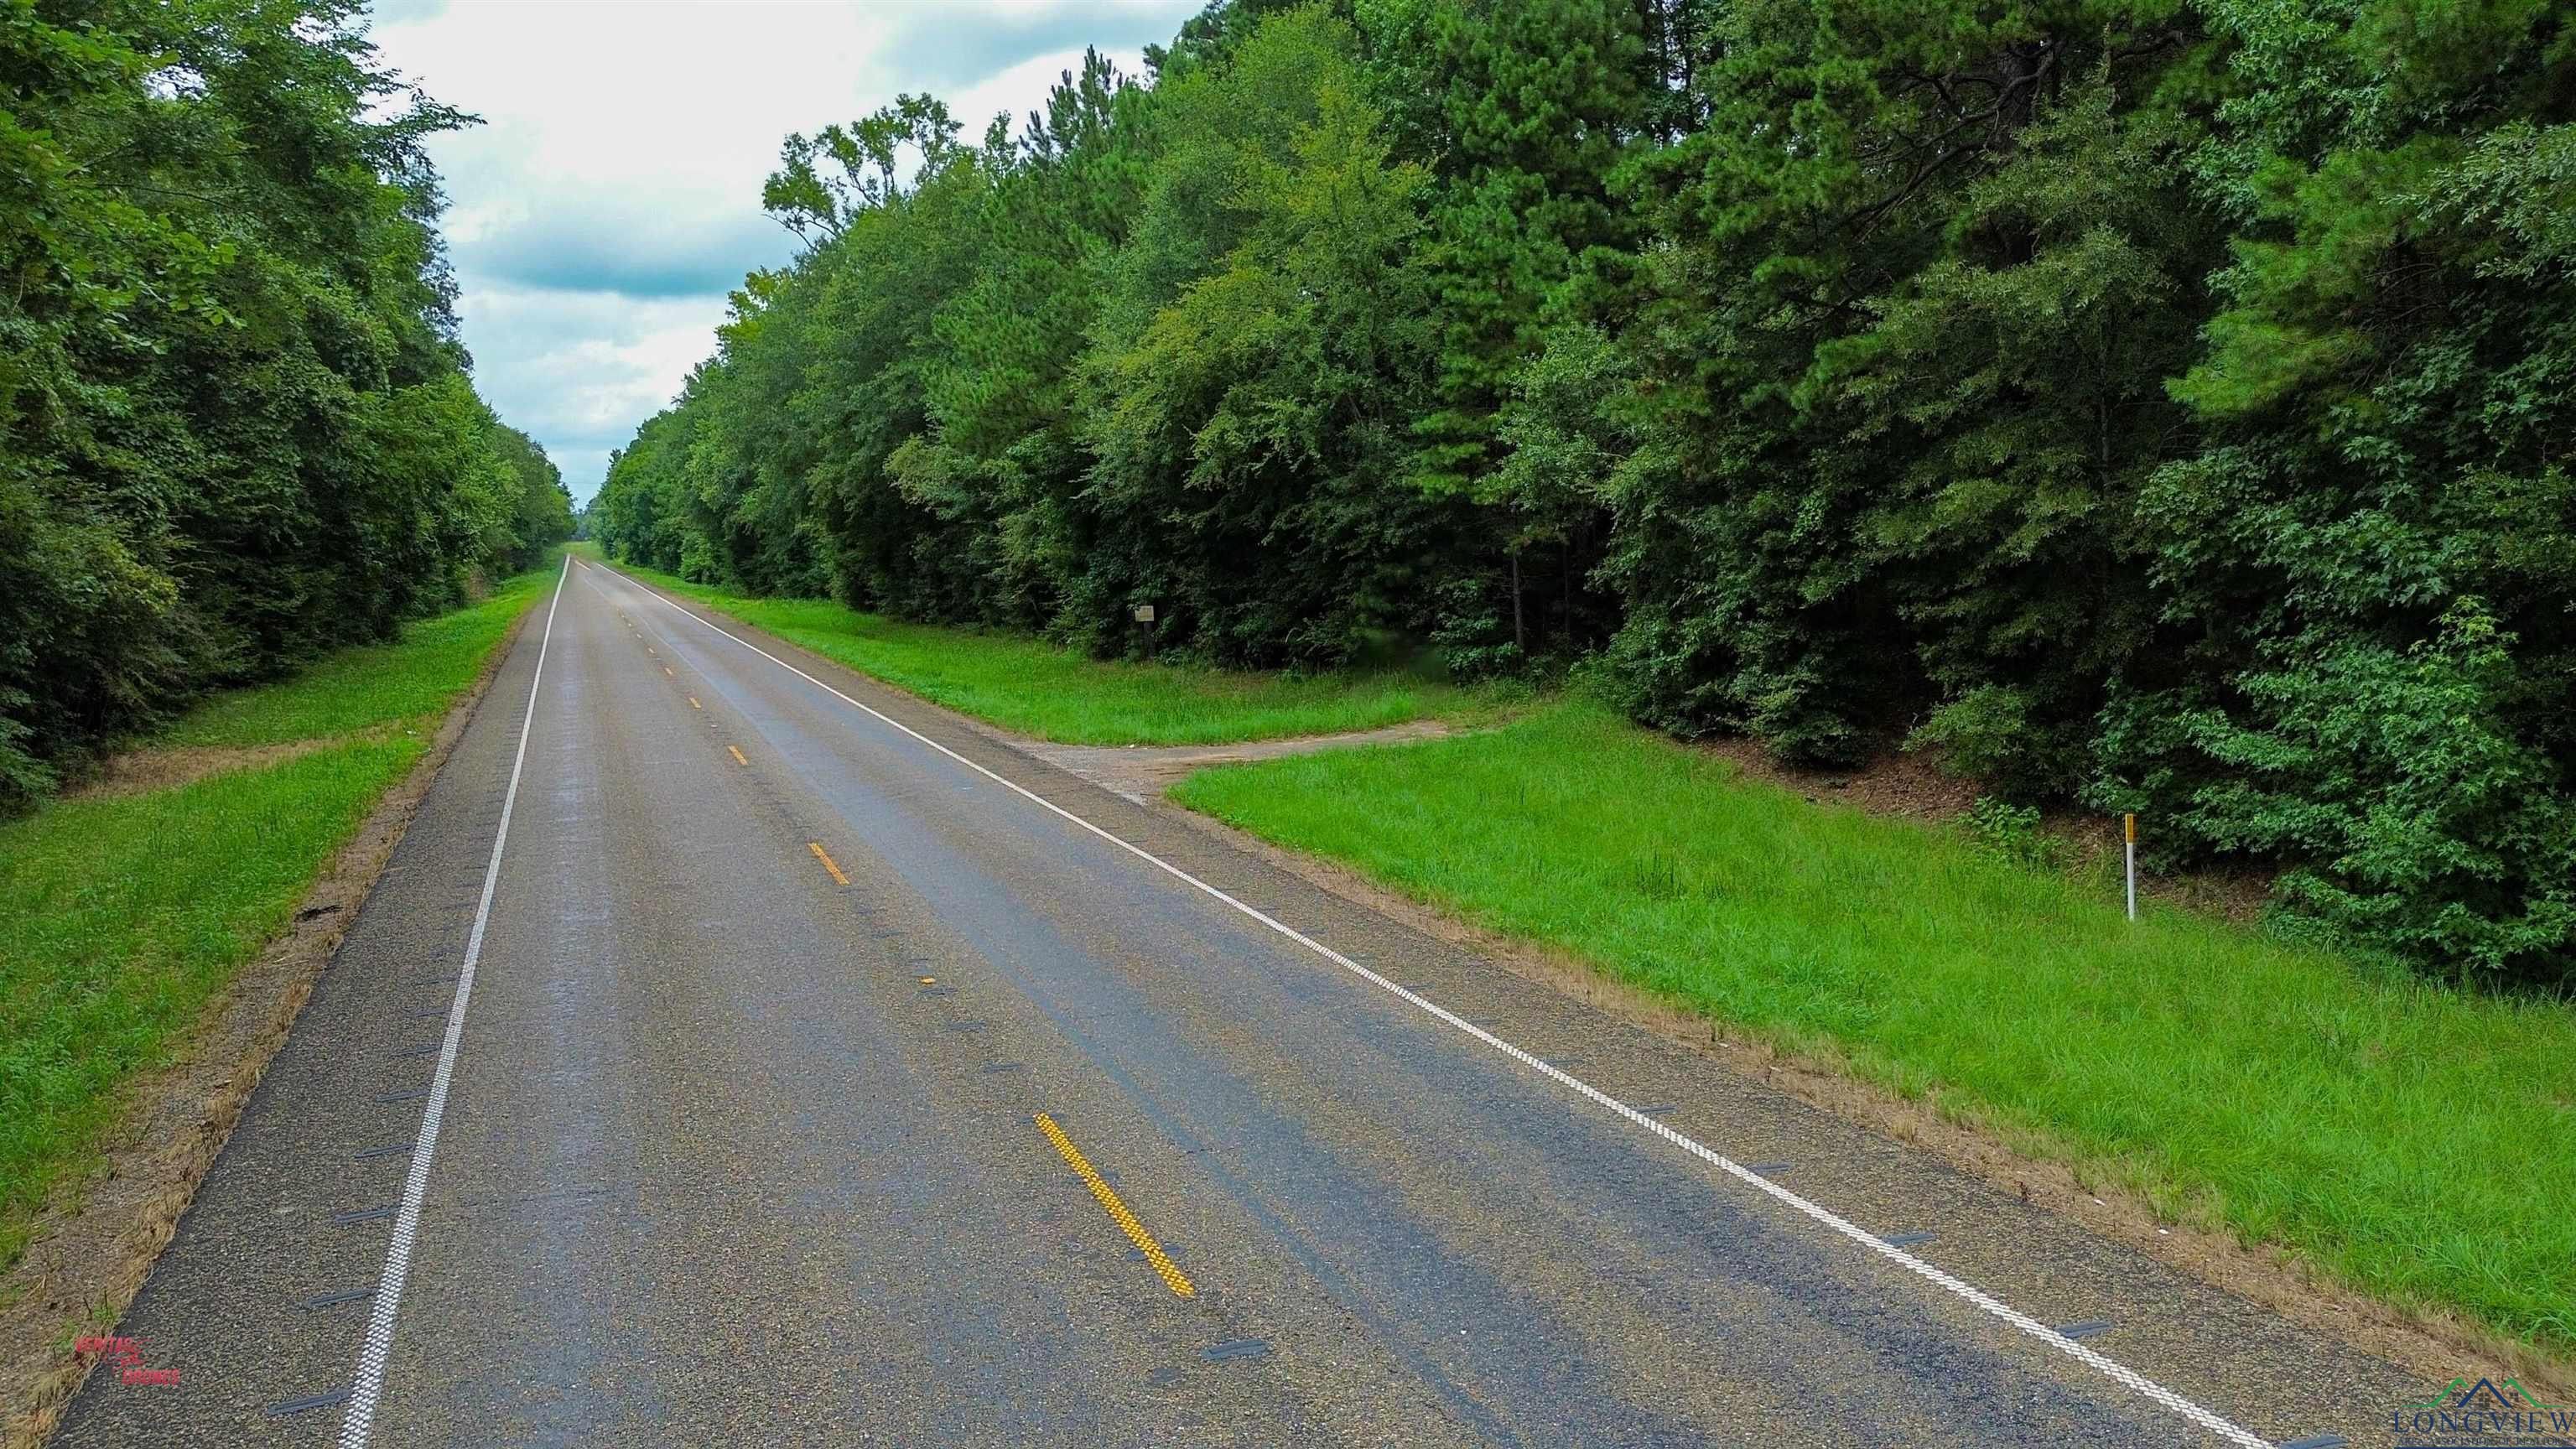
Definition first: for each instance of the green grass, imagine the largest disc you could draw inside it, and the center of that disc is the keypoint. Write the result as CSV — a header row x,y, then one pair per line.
x,y
2410,1138
123,916
1032,687
413,678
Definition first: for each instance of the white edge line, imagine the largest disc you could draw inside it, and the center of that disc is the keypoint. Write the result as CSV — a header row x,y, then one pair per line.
x,y
2094,1359
369,1386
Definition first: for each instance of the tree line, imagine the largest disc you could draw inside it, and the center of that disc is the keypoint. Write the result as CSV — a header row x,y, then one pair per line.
x,y
236,424
2165,405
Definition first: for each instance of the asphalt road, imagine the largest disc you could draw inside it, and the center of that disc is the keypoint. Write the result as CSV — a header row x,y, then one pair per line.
x,y
830,1072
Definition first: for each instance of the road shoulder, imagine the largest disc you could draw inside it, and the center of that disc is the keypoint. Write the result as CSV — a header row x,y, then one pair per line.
x,y
97,1241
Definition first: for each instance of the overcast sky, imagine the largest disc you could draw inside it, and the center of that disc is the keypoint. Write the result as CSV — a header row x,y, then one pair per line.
x,y
612,196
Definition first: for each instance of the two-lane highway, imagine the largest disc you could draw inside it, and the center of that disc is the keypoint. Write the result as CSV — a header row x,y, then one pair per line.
x,y
800,1065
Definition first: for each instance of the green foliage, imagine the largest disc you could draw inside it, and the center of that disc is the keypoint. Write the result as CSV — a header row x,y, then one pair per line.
x,y
235,429
2422,824
1526,110
1255,419
2163,404
2364,565
2012,832
366,686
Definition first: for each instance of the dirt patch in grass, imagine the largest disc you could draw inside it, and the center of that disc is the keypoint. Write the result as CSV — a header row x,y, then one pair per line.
x,y
93,1244
139,772
1893,783
2432,1341
1142,771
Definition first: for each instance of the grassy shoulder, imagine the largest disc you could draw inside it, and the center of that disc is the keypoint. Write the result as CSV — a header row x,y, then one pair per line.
x,y
1029,686
122,916
2392,1131
413,678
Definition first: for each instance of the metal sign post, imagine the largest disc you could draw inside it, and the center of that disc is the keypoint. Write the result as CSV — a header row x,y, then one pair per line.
x,y
1145,616
2129,826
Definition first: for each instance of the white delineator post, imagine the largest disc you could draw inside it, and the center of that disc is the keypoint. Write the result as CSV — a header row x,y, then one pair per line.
x,y
2129,826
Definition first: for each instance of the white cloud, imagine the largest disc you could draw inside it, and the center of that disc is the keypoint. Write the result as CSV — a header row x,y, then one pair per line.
x,y
612,196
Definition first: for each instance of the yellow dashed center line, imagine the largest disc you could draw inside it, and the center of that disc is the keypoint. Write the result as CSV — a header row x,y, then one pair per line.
x,y
667,674
1178,1281
693,703
820,854
737,755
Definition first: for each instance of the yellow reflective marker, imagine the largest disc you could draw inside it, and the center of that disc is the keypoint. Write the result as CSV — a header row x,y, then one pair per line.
x,y
737,756
816,846
1178,1281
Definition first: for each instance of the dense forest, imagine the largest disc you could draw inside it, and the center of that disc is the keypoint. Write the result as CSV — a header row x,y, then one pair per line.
x,y
236,426
2157,405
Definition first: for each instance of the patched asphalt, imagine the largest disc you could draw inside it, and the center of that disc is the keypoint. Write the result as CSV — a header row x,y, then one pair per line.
x,y
737,1153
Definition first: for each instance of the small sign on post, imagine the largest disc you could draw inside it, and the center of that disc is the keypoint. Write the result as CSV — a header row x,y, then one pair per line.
x,y
2129,827
1144,613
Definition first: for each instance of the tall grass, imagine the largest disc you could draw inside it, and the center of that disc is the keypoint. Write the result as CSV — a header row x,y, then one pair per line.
x,y
1032,687
2410,1138
123,916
